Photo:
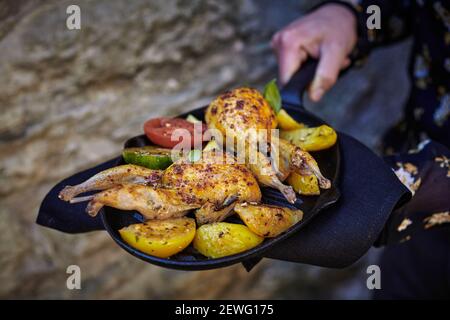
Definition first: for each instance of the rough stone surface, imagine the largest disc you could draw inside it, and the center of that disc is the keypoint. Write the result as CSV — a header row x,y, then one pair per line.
x,y
69,99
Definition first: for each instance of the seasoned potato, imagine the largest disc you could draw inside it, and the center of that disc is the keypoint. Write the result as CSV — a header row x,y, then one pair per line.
x,y
306,185
160,238
267,221
286,122
311,139
222,239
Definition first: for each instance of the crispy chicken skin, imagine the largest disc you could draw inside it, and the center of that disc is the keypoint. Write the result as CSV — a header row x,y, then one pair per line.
x,y
112,177
214,184
211,212
217,180
241,114
211,179
240,111
301,162
152,203
266,175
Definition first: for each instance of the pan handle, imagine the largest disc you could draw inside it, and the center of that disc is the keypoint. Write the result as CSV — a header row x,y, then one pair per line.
x,y
293,91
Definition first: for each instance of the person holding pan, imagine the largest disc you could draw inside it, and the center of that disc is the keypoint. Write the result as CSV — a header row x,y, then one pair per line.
x,y
416,262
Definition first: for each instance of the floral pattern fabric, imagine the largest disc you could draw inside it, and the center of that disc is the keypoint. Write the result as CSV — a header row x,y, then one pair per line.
x,y
418,146
425,171
428,22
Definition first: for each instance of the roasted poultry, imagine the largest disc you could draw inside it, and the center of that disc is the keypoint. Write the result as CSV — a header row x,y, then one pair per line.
x,y
152,203
216,180
299,161
222,181
244,114
128,187
216,185
213,185
116,176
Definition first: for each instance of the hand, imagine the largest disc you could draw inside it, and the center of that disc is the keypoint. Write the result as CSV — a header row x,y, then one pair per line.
x,y
328,34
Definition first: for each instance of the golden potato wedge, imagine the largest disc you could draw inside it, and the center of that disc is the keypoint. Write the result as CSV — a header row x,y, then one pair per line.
x,y
267,221
311,139
222,239
306,185
160,238
286,122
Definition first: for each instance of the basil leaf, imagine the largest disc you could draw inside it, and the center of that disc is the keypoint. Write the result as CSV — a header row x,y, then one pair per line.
x,y
272,95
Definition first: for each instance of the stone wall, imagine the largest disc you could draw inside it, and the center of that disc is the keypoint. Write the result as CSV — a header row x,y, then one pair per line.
x,y
69,99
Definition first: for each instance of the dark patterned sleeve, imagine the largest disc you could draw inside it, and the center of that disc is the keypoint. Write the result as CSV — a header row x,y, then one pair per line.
x,y
426,172
396,24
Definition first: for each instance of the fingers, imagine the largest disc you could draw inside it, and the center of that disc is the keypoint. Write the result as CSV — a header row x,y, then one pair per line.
x,y
294,45
290,61
346,63
289,53
332,59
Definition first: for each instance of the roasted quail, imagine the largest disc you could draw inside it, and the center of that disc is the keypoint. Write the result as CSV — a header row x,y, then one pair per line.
x,y
125,174
213,184
243,113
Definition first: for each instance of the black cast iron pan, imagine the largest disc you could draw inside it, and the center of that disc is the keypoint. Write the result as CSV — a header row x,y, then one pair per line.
x,y
329,163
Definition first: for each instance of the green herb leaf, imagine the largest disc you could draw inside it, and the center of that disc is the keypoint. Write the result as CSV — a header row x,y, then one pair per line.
x,y
272,95
194,155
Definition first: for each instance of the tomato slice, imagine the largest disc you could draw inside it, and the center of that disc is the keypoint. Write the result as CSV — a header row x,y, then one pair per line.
x,y
160,131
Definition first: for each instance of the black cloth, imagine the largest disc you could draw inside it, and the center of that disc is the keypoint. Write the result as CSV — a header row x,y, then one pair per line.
x,y
418,268
70,218
336,238
424,170
369,189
